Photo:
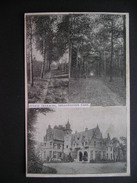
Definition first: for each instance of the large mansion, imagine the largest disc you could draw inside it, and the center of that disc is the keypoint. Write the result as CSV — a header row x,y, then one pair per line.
x,y
88,145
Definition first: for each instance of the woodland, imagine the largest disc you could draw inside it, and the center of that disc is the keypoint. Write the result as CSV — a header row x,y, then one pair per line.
x,y
77,50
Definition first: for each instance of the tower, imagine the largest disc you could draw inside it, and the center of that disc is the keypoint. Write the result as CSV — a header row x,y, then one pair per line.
x,y
67,128
67,138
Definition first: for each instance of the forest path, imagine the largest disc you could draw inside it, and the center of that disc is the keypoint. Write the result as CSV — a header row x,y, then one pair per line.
x,y
94,91
55,87
46,81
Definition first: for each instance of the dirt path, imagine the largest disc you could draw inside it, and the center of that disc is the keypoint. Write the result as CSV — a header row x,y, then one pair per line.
x,y
46,81
94,91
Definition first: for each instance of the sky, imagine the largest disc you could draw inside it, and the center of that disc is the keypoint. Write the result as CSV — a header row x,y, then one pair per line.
x,y
109,119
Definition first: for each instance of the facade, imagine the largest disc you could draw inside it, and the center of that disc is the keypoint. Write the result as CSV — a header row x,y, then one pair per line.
x,y
88,145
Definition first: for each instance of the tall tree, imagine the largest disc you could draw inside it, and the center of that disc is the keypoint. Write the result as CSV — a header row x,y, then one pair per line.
x,y
34,163
44,37
80,28
108,30
29,37
124,47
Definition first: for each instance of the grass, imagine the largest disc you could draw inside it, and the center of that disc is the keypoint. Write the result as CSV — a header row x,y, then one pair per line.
x,y
117,86
35,91
57,91
49,170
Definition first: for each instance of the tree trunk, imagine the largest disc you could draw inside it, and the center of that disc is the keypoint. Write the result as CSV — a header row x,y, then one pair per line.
x,y
31,55
77,64
111,57
124,49
99,66
105,65
43,64
70,57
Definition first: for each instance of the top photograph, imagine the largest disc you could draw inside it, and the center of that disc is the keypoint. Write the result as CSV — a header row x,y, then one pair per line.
x,y
77,58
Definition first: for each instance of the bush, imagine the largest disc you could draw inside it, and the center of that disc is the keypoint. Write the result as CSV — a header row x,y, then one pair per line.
x,y
47,169
68,158
34,167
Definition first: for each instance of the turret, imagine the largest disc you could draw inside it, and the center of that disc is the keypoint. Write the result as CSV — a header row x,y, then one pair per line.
x,y
108,137
68,129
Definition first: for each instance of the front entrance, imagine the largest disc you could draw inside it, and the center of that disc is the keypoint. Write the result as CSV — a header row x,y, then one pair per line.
x,y
80,156
85,158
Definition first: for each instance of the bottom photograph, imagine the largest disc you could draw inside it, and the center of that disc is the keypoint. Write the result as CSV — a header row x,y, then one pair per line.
x,y
73,142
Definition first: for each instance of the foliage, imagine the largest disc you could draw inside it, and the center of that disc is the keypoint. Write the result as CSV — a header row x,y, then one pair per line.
x,y
68,158
34,163
120,146
101,37
49,170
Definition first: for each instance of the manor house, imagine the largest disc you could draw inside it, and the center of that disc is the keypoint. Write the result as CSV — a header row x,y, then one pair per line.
x,y
87,145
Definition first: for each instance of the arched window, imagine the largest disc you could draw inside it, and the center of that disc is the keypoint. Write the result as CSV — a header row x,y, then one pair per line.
x,y
80,156
94,143
85,158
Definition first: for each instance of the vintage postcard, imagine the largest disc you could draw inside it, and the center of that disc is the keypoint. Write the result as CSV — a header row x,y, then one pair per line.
x,y
77,94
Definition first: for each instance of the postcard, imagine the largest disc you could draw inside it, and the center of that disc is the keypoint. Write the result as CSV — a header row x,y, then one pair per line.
x,y
77,94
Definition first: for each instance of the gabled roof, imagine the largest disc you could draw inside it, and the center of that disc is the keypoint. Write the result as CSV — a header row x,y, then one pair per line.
x,y
83,136
58,134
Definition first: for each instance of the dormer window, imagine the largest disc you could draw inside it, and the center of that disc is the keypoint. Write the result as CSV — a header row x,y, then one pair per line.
x,y
94,143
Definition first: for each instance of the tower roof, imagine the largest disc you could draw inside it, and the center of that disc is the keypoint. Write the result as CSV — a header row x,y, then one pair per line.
x,y
68,126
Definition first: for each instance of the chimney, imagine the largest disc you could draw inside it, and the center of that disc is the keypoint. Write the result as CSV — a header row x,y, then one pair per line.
x,y
86,129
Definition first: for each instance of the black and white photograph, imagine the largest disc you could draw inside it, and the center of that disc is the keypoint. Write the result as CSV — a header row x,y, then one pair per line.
x,y
77,142
77,58
77,94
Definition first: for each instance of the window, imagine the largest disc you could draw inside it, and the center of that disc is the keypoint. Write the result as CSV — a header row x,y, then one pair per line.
x,y
111,156
50,153
50,143
103,154
91,154
111,149
60,155
94,143
54,155
44,154
66,146
54,146
58,146
107,155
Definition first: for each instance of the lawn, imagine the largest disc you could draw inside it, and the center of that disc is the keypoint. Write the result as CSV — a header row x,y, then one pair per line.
x,y
88,168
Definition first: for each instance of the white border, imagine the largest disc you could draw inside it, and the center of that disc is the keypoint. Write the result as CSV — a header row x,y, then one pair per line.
x,y
127,98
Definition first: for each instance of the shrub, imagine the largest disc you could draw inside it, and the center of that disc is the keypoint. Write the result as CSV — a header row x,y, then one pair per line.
x,y
47,169
34,167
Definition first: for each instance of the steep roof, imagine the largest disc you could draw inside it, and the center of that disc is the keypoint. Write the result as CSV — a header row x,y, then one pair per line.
x,y
58,134
83,136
